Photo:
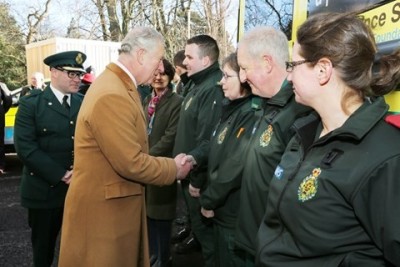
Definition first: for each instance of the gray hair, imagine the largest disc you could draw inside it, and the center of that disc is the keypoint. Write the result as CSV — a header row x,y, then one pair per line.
x,y
267,40
38,76
141,37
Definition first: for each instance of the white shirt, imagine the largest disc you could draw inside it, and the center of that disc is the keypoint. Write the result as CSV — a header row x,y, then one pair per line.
x,y
60,95
126,71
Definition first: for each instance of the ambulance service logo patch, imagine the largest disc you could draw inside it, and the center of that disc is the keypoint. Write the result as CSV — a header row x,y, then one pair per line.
x,y
266,136
309,186
222,135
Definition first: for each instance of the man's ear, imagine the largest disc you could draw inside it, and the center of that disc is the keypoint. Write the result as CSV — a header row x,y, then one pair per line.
x,y
267,62
324,68
140,55
205,61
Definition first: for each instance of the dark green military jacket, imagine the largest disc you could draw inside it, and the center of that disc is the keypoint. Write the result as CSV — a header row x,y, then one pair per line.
x,y
44,141
270,135
200,112
225,165
334,200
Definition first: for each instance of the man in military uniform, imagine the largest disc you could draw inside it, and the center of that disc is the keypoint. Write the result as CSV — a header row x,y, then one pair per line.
x,y
44,141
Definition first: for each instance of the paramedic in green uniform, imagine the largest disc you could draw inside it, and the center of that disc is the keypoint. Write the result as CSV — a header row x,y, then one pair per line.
x,y
225,163
262,53
44,141
200,112
334,198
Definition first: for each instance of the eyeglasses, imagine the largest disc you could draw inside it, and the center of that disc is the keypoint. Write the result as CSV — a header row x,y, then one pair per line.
x,y
227,76
291,64
72,74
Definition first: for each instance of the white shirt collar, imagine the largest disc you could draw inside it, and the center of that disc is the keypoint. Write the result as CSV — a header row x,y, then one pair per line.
x,y
126,71
60,95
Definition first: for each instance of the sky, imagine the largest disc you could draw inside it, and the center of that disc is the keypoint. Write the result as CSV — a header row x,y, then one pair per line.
x,y
20,9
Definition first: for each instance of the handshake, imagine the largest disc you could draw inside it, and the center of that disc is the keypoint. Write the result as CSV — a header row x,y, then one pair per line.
x,y
184,164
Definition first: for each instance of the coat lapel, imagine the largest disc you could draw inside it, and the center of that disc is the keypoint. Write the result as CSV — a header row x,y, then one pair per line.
x,y
53,103
75,105
129,85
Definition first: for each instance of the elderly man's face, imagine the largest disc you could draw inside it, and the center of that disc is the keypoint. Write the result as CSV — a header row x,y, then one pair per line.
x,y
153,63
253,71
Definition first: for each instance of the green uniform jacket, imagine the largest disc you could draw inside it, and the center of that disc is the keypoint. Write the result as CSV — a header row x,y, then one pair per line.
x,y
334,201
226,158
161,200
44,141
270,136
200,112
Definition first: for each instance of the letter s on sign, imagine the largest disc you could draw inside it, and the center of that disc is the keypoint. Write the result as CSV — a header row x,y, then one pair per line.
x,y
396,13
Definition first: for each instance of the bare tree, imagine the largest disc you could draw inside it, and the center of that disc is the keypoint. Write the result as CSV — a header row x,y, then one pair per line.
x,y
269,12
34,20
214,12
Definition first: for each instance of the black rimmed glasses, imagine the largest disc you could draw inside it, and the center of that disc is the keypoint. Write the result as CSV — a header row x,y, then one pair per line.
x,y
291,64
72,74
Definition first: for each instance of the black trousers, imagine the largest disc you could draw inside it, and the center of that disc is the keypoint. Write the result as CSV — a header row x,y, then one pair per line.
x,y
45,225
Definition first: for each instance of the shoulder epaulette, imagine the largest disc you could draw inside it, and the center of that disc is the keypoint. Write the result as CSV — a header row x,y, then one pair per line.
x,y
33,93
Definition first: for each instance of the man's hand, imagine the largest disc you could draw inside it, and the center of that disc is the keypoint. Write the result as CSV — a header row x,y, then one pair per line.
x,y
183,166
193,191
67,177
190,158
207,213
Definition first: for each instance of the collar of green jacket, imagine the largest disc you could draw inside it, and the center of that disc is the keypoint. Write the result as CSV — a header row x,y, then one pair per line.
x,y
203,74
283,96
356,126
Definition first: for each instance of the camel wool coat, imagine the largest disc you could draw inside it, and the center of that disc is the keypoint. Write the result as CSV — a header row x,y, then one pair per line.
x,y
105,218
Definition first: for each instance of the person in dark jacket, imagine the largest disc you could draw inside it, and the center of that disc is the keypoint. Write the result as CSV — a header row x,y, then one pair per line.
x,y
44,141
5,104
225,163
200,112
262,53
162,107
334,197
180,70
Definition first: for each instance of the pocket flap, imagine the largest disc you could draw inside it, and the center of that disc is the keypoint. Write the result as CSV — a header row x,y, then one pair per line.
x,y
122,189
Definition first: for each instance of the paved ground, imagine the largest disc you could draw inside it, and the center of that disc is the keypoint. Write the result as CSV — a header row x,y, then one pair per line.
x,y
15,247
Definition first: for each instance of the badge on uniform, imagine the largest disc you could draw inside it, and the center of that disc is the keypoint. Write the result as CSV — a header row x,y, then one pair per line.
x,y
309,186
222,135
266,136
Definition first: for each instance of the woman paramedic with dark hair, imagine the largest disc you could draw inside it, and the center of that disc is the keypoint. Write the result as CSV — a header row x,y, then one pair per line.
x,y
334,198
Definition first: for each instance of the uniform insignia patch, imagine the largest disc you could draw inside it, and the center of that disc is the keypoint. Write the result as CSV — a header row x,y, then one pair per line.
x,y
266,136
309,186
188,103
79,59
222,135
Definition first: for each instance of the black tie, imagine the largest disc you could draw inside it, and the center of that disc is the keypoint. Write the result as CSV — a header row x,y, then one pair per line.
x,y
65,102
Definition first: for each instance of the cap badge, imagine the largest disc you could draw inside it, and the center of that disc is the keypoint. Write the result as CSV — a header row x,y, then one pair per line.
x,y
79,59
309,186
